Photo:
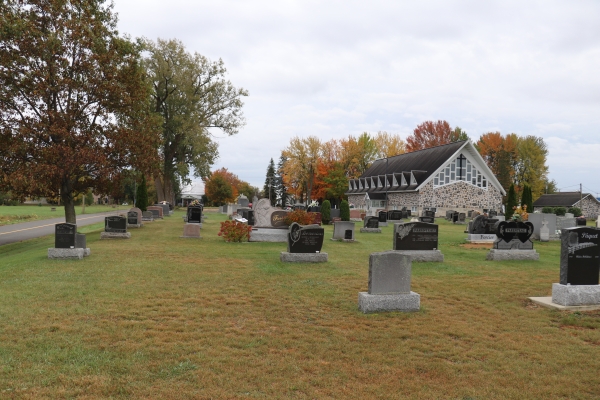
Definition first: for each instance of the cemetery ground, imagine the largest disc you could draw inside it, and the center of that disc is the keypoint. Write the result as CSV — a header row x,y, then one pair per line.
x,y
158,316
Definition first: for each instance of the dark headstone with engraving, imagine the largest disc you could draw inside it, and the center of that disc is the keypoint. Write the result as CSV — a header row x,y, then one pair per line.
x,y
278,219
428,213
490,228
64,236
371,222
580,221
513,235
416,236
132,217
382,216
115,224
249,216
194,214
395,215
580,256
305,239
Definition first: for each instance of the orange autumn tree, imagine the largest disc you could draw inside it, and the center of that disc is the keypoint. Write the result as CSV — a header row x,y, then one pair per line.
x,y
73,101
430,134
500,154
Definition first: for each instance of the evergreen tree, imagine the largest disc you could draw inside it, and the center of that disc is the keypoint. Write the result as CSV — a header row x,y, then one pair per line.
x,y
280,188
345,211
270,181
326,212
142,195
527,198
511,201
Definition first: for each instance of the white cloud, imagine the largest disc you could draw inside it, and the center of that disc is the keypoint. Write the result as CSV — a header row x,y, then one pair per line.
x,y
342,67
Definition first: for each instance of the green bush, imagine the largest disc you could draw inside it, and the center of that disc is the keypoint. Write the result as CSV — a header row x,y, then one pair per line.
x,y
560,211
89,198
547,210
511,202
326,212
345,211
576,211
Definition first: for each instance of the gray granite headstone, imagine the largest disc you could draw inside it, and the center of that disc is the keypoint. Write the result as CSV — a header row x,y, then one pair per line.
x,y
389,273
343,230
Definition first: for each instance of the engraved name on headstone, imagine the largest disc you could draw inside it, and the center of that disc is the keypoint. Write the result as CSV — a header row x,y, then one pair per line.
x,y
580,256
305,239
416,236
64,235
115,224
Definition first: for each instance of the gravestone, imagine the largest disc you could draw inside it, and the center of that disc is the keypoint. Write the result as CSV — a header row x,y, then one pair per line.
x,y
427,219
148,216
371,225
449,214
304,244
581,221
537,219
389,284
461,218
194,214
579,268
419,240
248,215
565,222
64,236
395,215
139,215
165,207
513,242
157,212
278,219
191,230
544,232
254,201
481,230
382,215
132,219
344,231
115,227
492,213
269,223
428,213
243,201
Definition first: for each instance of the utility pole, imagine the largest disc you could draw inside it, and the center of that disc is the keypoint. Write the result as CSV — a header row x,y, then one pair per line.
x,y
580,195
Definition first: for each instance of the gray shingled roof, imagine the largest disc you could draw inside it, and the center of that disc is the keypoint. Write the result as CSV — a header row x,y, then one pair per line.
x,y
562,199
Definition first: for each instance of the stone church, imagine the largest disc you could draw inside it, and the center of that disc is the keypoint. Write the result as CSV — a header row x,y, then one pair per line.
x,y
447,177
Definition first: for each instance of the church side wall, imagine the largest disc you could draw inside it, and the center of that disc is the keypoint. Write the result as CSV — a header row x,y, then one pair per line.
x,y
589,208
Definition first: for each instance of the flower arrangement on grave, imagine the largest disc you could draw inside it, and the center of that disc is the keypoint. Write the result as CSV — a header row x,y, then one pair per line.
x,y
300,216
194,203
520,213
235,231
314,203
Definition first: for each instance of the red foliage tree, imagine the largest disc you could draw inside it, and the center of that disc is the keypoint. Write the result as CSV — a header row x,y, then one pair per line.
x,y
430,134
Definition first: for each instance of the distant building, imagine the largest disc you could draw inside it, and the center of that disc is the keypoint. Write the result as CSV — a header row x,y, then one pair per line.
x,y
447,177
589,205
191,193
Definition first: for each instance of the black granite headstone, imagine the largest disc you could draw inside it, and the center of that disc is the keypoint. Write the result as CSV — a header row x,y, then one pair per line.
x,y
194,215
395,215
249,215
305,239
580,256
132,217
513,235
580,221
115,224
371,222
348,234
64,236
416,236
382,216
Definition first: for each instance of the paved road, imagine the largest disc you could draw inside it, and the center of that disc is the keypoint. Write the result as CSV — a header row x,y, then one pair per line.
x,y
30,230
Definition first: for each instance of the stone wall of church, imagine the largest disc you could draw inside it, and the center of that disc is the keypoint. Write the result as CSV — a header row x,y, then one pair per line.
x,y
589,208
358,200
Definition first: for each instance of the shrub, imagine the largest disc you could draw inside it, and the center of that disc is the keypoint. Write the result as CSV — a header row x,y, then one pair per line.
x,y
326,212
560,211
89,198
234,231
299,216
511,202
547,210
527,198
576,211
345,210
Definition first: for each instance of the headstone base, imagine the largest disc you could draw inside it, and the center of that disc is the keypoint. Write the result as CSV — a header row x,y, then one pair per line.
x,y
65,254
343,240
115,235
547,302
191,231
481,238
501,255
383,223
370,230
575,295
134,225
303,257
372,303
423,255
269,235
147,219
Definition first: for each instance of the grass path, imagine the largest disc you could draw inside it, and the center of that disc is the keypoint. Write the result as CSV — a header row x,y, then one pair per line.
x,y
158,316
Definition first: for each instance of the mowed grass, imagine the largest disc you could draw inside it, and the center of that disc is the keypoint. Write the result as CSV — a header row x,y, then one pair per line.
x,y
25,213
159,316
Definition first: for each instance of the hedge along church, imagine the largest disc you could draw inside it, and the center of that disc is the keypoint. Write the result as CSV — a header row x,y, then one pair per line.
x,y
448,177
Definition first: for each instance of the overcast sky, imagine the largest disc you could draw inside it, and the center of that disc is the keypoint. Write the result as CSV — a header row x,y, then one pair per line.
x,y
339,68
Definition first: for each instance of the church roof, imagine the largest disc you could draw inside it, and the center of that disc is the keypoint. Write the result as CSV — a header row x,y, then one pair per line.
x,y
561,199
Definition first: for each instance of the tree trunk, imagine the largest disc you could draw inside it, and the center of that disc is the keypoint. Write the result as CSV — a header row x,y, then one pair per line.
x,y
164,190
66,196
160,196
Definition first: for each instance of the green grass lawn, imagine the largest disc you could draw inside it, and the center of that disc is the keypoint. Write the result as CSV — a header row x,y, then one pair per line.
x,y
25,213
158,316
